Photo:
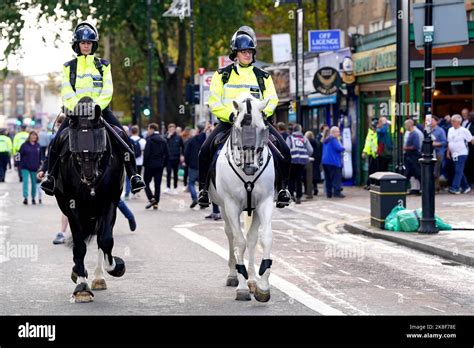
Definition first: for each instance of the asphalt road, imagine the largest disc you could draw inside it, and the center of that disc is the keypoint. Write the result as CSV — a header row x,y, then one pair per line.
x,y
176,265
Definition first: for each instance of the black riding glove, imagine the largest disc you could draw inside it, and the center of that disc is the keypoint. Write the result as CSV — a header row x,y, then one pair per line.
x,y
231,117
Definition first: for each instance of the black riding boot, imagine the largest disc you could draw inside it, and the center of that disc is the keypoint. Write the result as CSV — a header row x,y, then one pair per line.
x,y
281,160
136,181
49,183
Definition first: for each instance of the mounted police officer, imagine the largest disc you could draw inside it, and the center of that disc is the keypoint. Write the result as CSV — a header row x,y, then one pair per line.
x,y
88,76
227,85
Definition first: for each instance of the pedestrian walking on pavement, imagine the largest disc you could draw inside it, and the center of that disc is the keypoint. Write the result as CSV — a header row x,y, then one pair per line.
x,y
412,153
458,140
301,150
316,162
154,161
6,148
176,150
439,143
19,140
44,139
384,145
469,168
29,163
186,135
332,163
370,150
138,144
191,155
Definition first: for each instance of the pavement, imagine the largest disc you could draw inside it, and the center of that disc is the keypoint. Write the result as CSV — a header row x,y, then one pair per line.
x,y
456,245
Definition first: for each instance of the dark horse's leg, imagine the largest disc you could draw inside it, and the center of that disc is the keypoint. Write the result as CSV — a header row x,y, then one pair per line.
x,y
82,292
114,265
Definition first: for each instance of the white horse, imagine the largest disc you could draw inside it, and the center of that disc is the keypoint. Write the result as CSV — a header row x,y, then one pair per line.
x,y
244,181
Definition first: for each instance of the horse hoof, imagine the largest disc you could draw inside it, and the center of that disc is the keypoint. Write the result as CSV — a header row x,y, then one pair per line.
x,y
232,281
83,294
243,295
119,269
261,295
252,284
83,297
99,284
74,275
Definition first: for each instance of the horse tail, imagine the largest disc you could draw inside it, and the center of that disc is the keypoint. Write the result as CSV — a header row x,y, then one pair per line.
x,y
247,221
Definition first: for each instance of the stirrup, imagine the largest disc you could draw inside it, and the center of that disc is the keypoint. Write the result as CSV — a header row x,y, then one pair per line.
x,y
139,185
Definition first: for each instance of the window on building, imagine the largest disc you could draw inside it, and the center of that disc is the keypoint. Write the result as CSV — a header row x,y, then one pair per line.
x,y
387,24
20,91
6,91
375,26
361,29
352,30
20,108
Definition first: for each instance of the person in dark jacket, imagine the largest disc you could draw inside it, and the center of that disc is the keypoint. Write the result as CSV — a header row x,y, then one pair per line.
x,y
332,163
176,149
316,160
191,159
30,158
154,160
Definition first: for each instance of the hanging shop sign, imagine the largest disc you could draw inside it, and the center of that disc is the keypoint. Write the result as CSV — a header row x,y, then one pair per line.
x,y
327,81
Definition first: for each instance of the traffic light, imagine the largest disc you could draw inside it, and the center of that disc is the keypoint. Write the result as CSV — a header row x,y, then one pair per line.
x,y
146,107
32,123
19,120
135,108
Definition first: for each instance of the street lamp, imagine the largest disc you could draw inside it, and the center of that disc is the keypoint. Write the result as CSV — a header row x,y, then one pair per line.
x,y
171,68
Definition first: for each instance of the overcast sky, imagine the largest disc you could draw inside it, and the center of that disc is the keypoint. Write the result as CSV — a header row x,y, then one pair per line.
x,y
36,57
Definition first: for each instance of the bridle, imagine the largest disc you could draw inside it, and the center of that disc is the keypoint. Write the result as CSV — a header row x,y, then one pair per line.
x,y
246,148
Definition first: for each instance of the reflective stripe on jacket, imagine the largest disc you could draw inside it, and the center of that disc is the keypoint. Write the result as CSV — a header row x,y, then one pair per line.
x,y
371,144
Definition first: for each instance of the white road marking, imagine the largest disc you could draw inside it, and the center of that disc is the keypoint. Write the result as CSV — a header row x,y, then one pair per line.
x,y
364,280
344,272
436,309
327,264
379,286
288,288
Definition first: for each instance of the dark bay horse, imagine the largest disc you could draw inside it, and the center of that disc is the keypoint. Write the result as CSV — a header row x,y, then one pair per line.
x,y
89,185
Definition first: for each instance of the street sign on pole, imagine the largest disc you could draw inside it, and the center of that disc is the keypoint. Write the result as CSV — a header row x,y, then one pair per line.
x,y
299,61
451,24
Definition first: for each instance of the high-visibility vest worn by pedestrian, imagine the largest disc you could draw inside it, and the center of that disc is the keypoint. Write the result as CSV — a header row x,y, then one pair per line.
x,y
5,144
89,83
18,140
371,144
241,80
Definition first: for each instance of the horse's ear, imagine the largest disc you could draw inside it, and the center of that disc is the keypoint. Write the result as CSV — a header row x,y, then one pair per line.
x,y
264,103
236,105
97,111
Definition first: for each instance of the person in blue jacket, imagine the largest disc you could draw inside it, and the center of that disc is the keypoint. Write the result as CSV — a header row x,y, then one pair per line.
x,y
30,157
332,163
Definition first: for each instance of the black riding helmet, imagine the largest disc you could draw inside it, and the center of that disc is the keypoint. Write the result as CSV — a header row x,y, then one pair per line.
x,y
85,31
242,42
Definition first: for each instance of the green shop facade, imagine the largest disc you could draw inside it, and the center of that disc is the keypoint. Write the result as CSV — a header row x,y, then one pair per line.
x,y
375,69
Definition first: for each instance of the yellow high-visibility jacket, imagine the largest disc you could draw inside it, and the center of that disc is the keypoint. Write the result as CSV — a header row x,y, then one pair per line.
x,y
18,140
89,83
242,80
6,144
371,144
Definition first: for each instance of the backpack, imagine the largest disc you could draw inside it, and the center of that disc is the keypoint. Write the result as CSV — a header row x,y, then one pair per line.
x,y
99,62
136,147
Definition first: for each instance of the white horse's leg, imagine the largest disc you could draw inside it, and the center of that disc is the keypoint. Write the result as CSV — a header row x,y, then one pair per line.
x,y
233,217
262,291
252,238
232,279
99,281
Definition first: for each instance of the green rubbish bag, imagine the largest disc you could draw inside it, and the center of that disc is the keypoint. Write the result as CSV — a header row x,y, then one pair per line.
x,y
180,173
391,221
408,220
440,224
